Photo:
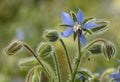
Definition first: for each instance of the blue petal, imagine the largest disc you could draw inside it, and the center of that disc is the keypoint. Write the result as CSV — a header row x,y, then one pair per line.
x,y
115,76
67,32
20,35
67,19
118,61
90,25
82,39
80,17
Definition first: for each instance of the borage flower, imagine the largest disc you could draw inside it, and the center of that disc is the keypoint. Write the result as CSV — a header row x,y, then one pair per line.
x,y
20,35
82,77
76,26
116,77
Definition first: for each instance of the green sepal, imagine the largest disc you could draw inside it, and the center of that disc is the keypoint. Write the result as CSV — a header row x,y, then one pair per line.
x,y
65,25
87,20
73,16
88,31
85,73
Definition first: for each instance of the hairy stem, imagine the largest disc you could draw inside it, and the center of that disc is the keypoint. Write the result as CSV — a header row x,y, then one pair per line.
x,y
67,55
57,66
94,41
29,75
40,62
78,61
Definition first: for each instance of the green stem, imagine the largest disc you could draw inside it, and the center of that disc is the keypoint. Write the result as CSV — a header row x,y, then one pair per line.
x,y
29,75
78,61
68,57
94,41
57,66
40,62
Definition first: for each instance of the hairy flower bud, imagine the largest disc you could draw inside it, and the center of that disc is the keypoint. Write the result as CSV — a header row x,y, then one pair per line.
x,y
109,50
84,75
13,47
51,35
44,49
103,26
95,49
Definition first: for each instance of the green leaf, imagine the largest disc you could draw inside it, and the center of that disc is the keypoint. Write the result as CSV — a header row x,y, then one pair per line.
x,y
28,63
87,20
36,75
50,71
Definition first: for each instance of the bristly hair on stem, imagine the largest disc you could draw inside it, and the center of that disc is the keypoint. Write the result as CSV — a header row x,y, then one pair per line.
x,y
35,55
67,55
78,61
57,66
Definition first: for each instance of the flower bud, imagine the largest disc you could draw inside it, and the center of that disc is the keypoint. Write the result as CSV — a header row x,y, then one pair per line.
x,y
13,47
109,50
95,49
106,73
84,75
51,35
95,78
103,26
44,49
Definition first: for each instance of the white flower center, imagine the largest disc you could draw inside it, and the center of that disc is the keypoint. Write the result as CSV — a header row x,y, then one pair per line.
x,y
76,28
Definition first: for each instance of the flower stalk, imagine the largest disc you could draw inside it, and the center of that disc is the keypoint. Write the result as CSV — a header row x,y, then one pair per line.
x,y
78,61
93,42
57,66
67,55
29,75
40,62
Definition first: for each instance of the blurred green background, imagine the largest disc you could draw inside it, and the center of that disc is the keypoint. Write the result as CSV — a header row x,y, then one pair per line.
x,y
31,17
